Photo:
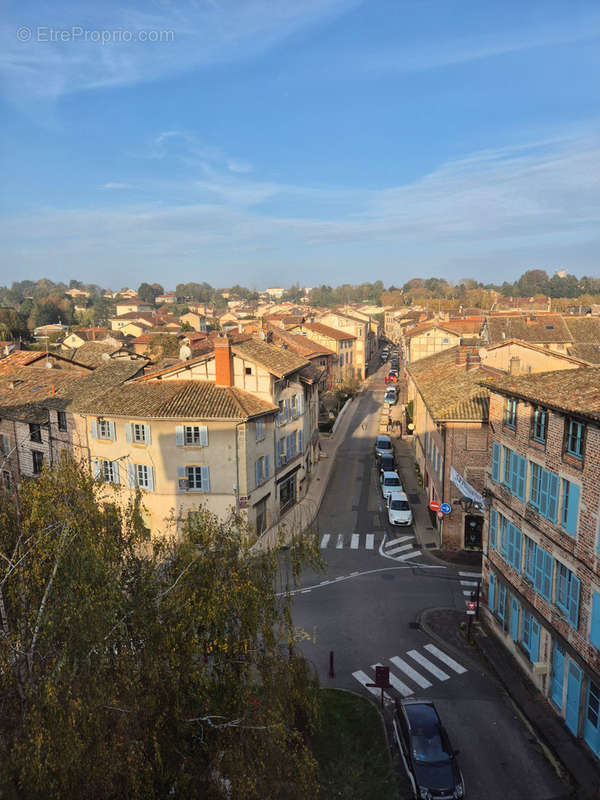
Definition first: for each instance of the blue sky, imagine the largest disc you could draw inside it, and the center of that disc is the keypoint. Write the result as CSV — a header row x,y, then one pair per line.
x,y
322,141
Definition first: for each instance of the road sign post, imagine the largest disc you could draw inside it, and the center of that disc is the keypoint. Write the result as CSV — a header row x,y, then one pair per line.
x,y
382,680
471,604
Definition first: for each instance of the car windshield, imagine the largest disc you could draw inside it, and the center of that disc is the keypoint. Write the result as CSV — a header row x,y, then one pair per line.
x,y
428,747
399,505
384,445
391,482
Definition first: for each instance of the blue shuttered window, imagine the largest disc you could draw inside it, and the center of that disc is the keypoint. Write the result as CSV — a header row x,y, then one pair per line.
x,y
507,473
595,627
495,462
575,439
591,726
491,591
530,556
544,491
514,620
558,675
493,527
570,506
501,611
530,638
543,573
567,593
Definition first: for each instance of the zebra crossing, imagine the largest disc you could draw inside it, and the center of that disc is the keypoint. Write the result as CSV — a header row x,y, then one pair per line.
x,y
469,583
401,548
435,665
355,541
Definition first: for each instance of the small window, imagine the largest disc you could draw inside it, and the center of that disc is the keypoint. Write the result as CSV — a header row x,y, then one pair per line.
x,y
510,419
107,471
142,474
248,370
35,432
574,439
62,420
139,432
194,476
539,425
37,460
104,429
193,435
260,430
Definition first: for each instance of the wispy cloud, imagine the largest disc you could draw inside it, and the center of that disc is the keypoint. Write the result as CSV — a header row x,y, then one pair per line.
x,y
117,186
62,48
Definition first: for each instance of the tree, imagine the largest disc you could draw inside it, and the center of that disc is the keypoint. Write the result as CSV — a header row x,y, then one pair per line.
x,y
532,282
12,325
144,670
149,293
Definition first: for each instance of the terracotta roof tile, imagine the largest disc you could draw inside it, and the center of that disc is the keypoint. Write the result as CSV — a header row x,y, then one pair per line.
x,y
326,330
542,328
279,363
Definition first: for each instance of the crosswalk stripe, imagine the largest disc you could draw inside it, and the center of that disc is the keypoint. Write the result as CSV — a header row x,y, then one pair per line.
x,y
468,593
340,541
427,664
412,673
468,583
399,549
370,541
446,659
399,540
408,555
471,574
325,541
363,678
354,541
400,687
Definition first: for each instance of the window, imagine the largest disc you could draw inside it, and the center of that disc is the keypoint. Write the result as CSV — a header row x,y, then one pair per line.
x,y
491,591
103,429
191,436
141,476
595,627
139,432
62,420
35,432
510,418
194,477
530,638
495,462
493,527
539,425
107,470
501,609
37,461
544,567
248,370
287,494
575,439
591,726
529,565
291,445
260,429
544,491
507,453
262,469
567,593
570,506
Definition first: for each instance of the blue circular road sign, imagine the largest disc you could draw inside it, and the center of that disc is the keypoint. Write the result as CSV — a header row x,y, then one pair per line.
x,y
445,508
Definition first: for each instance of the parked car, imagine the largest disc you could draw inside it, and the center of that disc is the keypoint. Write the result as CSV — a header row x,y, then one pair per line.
x,y
390,482
399,512
383,446
387,463
428,757
390,396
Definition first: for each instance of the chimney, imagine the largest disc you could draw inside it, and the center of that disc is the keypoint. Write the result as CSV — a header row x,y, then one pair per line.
x,y
461,358
473,360
514,366
223,361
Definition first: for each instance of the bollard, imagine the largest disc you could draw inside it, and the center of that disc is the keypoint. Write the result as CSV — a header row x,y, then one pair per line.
x,y
331,670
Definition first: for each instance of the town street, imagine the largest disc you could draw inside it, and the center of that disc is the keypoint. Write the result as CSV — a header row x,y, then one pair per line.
x,y
364,607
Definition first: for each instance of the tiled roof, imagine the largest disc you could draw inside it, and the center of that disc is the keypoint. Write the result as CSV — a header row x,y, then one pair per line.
x,y
26,393
450,392
326,330
177,400
585,352
91,334
584,330
299,344
132,300
91,353
542,328
112,374
575,391
278,362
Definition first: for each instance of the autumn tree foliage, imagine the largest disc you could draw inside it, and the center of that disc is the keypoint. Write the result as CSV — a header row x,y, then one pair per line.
x,y
138,670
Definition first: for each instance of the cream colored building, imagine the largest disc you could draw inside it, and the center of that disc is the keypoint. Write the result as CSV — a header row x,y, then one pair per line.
x,y
340,342
360,329
426,340
195,321
132,304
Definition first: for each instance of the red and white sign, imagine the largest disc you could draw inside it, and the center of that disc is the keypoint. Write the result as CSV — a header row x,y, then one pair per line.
x,y
471,606
434,505
440,514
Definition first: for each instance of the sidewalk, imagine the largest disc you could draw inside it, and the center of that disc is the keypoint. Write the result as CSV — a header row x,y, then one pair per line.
x,y
562,748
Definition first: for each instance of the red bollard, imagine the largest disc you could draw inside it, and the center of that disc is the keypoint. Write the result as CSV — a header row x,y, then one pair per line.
x,y
331,671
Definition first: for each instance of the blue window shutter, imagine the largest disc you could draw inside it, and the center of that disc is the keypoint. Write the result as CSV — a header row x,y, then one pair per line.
x,y
128,432
517,545
508,461
267,465
552,496
300,441
94,429
544,492
96,468
179,438
115,469
514,620
510,547
548,571
493,527
181,475
521,480
595,628
204,435
112,430
495,462
534,644
491,591
539,568
514,477
131,471
205,477
148,434
574,601
573,509
150,479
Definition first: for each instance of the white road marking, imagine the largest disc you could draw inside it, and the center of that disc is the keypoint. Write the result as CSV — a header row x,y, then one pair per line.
x,y
368,572
363,678
468,592
400,549
412,673
354,574
370,543
400,687
325,541
304,591
355,541
340,541
468,583
446,659
429,666
399,540
406,556
471,574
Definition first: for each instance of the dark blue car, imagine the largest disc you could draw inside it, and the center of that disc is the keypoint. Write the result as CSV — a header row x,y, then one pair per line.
x,y
428,757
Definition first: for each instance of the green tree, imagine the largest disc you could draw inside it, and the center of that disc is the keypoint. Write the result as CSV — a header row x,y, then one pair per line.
x,y
148,292
12,325
137,670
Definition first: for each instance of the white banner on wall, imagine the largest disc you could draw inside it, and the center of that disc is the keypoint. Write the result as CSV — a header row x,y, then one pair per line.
x,y
465,487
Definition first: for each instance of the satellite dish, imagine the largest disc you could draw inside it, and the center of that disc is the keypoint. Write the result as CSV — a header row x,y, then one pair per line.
x,y
105,356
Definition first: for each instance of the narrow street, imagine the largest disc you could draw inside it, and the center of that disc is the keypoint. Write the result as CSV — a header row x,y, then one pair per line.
x,y
365,607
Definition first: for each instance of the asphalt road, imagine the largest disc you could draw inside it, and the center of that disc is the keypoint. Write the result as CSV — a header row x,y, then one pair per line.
x,y
362,606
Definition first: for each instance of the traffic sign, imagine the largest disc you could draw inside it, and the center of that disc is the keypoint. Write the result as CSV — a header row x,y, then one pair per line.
x,y
446,508
440,514
471,606
434,505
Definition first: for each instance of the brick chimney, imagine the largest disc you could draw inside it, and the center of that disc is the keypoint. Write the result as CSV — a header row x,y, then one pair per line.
x,y
460,361
223,361
473,360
